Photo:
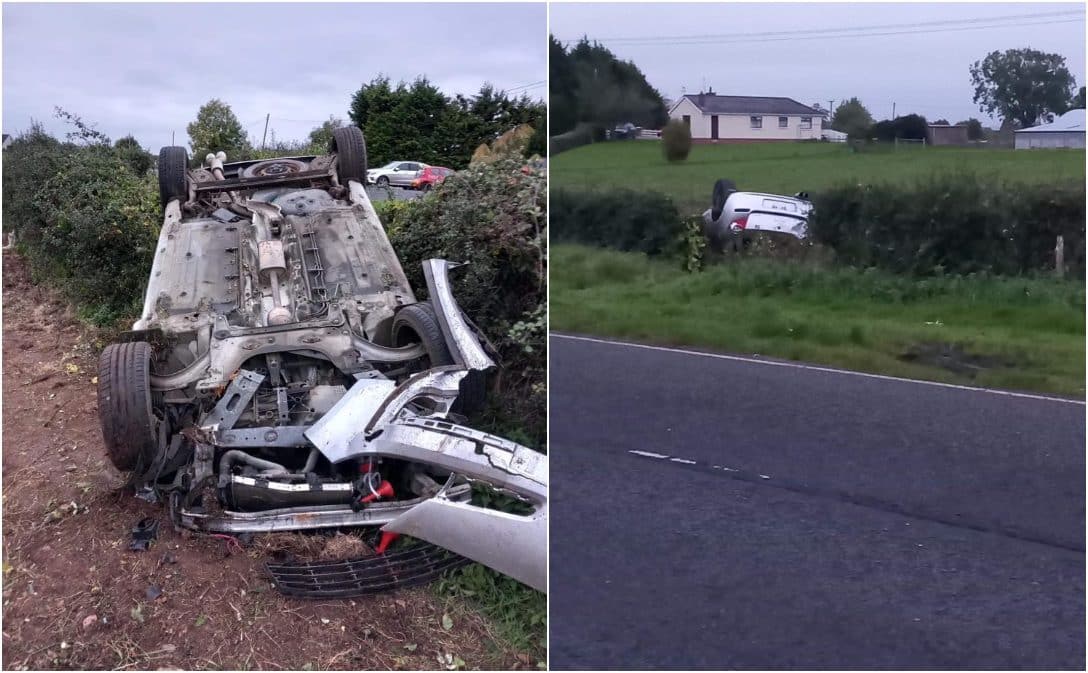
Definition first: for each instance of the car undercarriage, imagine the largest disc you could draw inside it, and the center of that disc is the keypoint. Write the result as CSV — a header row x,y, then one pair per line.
x,y
284,376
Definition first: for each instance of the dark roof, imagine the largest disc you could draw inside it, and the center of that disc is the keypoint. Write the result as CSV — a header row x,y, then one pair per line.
x,y
713,103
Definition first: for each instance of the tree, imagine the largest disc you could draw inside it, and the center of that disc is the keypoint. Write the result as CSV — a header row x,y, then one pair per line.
x,y
590,85
216,129
1023,85
941,122
417,122
852,118
974,128
321,136
1078,101
907,127
562,88
134,156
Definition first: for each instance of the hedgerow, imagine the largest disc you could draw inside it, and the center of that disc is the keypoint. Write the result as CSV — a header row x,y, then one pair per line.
x,y
493,218
959,224
86,218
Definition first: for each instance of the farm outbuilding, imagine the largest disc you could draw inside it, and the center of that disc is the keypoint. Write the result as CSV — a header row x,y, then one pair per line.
x,y
1066,131
716,118
946,134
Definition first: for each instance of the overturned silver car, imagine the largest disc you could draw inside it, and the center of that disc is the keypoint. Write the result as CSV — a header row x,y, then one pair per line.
x,y
283,375
733,214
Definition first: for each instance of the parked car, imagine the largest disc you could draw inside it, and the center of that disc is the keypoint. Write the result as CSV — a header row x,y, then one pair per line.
x,y
282,375
734,213
430,176
394,174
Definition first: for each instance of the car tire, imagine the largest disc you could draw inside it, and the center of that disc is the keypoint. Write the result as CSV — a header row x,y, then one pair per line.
x,y
426,187
382,181
173,174
722,189
349,145
417,323
421,321
130,428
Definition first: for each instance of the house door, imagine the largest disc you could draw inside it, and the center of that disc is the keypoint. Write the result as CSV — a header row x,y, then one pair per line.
x,y
714,127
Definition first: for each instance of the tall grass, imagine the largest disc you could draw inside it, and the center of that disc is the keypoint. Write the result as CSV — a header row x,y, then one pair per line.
x,y
859,319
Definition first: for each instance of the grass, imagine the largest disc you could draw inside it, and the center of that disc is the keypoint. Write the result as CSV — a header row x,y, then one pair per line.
x,y
863,320
518,613
787,168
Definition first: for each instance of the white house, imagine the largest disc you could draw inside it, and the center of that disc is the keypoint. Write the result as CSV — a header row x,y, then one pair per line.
x,y
713,118
1065,131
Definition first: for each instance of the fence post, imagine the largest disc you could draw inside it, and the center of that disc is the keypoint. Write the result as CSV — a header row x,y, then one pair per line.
x,y
1059,257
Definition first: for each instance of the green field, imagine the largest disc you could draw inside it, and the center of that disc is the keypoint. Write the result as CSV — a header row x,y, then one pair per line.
x,y
1016,333
787,168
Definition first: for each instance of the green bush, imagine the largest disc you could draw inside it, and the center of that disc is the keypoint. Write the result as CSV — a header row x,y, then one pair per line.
x,y
493,217
622,219
960,223
676,140
30,160
84,219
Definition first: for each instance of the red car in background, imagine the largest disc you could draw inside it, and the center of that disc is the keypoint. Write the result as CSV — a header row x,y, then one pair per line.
x,y
429,177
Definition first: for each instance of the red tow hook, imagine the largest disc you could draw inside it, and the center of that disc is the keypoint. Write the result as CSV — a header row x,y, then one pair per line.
x,y
386,540
385,490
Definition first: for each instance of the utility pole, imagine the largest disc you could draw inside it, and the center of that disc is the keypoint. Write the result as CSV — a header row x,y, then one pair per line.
x,y
831,106
893,109
265,134
171,137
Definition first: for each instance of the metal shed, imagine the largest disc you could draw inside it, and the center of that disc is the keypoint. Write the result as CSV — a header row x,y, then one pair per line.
x,y
1065,131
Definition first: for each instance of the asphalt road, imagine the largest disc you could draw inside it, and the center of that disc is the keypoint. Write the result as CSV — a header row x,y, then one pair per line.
x,y
392,193
789,518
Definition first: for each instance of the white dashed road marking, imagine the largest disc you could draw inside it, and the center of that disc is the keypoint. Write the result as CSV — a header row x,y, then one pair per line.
x,y
685,461
648,454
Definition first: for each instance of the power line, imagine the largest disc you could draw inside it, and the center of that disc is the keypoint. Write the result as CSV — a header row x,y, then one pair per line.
x,y
526,87
855,31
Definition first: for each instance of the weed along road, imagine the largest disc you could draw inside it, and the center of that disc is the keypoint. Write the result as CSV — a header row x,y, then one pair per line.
x,y
718,512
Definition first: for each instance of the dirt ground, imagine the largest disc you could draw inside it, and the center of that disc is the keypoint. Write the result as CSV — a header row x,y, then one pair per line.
x,y
75,597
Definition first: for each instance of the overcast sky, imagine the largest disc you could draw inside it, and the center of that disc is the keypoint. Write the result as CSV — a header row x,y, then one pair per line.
x,y
926,73
147,69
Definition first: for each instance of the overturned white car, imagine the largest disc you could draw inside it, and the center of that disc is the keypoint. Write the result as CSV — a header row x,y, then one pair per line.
x,y
734,213
284,376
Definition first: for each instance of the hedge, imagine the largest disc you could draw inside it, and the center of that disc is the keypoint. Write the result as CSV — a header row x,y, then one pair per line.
x,y
953,224
622,219
86,220
582,134
494,218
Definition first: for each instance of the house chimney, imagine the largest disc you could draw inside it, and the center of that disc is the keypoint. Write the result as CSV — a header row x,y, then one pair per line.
x,y
702,99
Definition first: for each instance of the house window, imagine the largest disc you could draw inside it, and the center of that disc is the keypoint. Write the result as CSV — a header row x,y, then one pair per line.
x,y
806,122
756,122
783,122
687,121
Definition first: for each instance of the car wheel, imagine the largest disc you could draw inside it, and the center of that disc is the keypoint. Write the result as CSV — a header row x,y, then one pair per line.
x,y
383,181
173,170
130,428
349,145
722,189
426,187
417,323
